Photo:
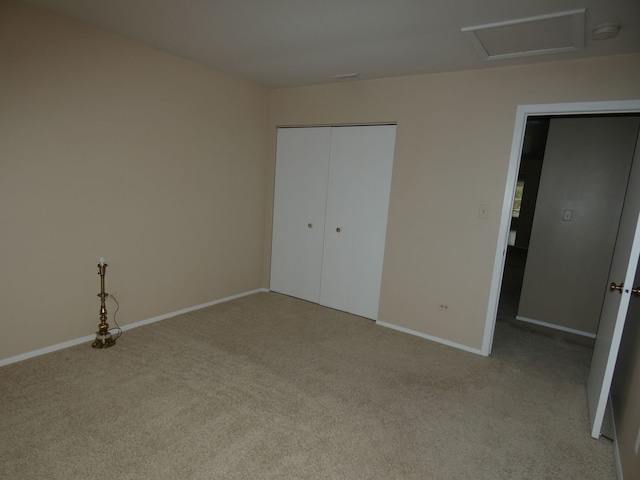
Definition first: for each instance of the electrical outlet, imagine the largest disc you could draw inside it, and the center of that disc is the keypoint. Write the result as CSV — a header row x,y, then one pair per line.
x,y
443,306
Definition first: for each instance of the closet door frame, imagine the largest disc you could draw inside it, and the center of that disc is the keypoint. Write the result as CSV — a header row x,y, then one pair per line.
x,y
331,202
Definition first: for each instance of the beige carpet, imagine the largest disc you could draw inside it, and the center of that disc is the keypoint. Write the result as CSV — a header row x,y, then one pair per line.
x,y
270,387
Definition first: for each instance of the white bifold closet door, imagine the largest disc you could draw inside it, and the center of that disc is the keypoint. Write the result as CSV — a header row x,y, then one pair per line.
x,y
360,166
330,215
302,170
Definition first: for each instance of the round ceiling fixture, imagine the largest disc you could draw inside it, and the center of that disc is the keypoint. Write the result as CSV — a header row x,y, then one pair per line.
x,y
605,31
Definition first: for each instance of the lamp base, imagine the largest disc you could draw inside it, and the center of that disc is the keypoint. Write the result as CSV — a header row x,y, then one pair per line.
x,y
103,340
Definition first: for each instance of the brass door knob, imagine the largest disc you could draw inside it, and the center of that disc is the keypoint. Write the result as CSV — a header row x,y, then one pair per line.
x,y
310,225
634,291
338,229
613,287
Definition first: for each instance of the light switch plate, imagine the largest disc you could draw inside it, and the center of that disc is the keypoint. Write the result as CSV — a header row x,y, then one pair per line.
x,y
567,215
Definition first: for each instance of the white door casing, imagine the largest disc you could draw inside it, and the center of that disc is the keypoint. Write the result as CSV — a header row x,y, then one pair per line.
x,y
616,304
524,111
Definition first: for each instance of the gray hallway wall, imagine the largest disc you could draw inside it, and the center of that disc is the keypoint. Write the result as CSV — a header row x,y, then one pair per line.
x,y
585,171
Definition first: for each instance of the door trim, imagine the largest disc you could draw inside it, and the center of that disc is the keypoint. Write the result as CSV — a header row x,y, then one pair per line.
x,y
522,113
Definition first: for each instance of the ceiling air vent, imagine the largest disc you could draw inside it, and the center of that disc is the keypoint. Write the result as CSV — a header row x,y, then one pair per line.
x,y
541,35
346,76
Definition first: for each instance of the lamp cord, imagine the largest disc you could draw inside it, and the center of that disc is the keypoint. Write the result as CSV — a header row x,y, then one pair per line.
x,y
118,328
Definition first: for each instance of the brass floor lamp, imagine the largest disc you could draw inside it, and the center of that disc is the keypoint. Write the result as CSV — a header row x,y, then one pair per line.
x,y
103,336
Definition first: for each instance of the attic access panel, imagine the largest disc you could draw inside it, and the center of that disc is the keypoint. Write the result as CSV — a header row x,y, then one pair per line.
x,y
540,35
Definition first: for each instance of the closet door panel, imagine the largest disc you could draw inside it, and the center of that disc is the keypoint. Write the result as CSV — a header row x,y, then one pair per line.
x,y
302,168
356,217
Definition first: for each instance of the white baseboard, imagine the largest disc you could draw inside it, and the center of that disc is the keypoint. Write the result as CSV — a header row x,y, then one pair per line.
x,y
556,327
190,309
459,346
49,349
89,338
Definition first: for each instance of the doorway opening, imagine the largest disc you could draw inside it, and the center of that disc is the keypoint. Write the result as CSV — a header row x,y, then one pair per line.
x,y
522,213
523,115
619,221
576,169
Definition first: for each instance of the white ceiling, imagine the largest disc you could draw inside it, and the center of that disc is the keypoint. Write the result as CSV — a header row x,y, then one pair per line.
x,y
282,43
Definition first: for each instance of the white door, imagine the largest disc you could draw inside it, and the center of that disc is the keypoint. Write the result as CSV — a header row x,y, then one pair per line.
x,y
616,303
302,169
356,218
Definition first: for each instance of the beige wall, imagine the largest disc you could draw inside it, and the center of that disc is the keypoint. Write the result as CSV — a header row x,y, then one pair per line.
x,y
452,151
111,148
586,169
